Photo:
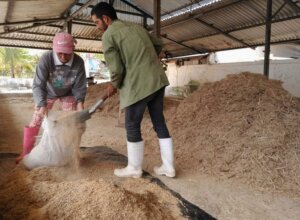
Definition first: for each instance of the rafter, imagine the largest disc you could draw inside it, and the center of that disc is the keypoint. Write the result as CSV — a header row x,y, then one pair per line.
x,y
192,16
49,48
66,12
184,45
293,4
222,32
51,35
136,8
278,10
242,28
84,6
253,7
30,21
28,27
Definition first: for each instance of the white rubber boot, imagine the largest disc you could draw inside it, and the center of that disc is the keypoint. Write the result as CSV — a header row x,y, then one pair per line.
x,y
135,151
167,157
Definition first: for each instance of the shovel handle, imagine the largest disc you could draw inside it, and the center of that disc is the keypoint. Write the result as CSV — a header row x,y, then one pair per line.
x,y
96,106
110,92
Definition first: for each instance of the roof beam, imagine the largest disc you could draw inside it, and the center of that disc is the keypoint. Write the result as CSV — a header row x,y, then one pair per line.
x,y
293,5
29,21
191,17
253,7
83,22
278,10
243,28
136,8
49,48
180,8
44,41
118,10
222,32
196,17
84,6
51,35
262,44
28,40
67,11
28,27
184,45
55,26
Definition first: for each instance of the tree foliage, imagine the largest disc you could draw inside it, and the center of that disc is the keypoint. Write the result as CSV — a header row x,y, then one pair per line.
x,y
17,62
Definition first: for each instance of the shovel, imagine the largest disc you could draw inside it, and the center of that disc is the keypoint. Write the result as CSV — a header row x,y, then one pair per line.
x,y
86,114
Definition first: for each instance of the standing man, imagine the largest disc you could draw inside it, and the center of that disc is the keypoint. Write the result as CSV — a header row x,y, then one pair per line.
x,y
132,57
60,75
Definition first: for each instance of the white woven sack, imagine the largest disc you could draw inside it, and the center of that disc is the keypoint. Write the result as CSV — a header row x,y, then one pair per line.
x,y
60,141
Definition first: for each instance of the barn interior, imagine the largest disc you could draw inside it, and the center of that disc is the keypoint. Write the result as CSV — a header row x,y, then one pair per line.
x,y
236,134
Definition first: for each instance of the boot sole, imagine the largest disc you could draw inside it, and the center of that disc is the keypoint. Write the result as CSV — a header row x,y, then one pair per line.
x,y
139,175
165,174
168,174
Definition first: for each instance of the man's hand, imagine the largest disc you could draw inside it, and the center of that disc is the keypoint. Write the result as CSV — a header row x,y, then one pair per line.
x,y
161,55
110,90
43,111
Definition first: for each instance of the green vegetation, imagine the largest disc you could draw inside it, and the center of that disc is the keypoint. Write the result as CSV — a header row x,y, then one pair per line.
x,y
17,62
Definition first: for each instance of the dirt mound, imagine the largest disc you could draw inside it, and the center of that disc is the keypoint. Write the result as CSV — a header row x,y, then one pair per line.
x,y
244,127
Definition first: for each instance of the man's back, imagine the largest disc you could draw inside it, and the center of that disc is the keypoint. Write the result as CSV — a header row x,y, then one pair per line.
x,y
142,72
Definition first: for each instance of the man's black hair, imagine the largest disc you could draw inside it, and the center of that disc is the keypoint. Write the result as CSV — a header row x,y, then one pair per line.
x,y
104,8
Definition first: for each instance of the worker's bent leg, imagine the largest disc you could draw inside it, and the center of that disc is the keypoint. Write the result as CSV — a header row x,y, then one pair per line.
x,y
133,118
155,107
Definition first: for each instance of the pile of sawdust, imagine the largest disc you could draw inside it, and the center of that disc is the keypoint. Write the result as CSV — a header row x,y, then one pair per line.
x,y
45,194
244,127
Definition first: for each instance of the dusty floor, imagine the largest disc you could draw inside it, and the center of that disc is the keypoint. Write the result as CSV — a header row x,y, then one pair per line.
x,y
223,198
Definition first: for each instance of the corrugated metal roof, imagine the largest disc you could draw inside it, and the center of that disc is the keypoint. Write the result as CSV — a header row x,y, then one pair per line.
x,y
166,6
187,26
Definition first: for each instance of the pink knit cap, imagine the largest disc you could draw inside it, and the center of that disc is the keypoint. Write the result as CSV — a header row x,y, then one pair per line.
x,y
63,43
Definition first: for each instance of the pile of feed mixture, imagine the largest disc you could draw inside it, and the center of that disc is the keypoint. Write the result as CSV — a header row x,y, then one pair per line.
x,y
244,127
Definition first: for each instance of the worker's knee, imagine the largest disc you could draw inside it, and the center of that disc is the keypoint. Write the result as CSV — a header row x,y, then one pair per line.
x,y
133,132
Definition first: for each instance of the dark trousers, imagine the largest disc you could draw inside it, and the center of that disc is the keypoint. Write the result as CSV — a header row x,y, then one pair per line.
x,y
134,116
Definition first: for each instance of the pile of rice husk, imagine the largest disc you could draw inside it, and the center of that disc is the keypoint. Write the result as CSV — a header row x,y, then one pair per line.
x,y
111,105
244,127
50,193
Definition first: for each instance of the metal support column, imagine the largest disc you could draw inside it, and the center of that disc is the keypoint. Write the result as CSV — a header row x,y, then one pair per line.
x,y
69,26
145,22
156,15
268,38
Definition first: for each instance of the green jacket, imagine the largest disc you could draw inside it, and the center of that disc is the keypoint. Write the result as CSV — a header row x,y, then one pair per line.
x,y
132,57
